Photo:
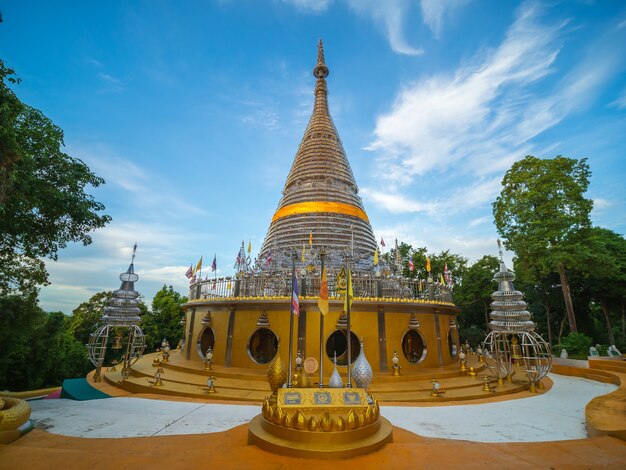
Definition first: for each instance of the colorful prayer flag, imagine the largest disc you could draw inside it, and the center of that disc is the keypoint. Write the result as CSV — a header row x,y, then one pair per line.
x,y
189,272
428,264
376,257
382,242
411,265
268,260
199,265
249,246
295,302
322,303
214,264
441,279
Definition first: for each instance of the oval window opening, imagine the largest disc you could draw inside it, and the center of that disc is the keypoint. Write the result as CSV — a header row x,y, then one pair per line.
x,y
262,345
413,347
206,341
337,342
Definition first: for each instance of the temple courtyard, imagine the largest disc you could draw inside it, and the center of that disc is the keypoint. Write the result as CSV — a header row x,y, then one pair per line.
x,y
547,430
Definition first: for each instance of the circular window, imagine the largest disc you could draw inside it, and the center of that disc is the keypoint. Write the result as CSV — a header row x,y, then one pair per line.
x,y
337,342
206,340
451,345
413,347
262,345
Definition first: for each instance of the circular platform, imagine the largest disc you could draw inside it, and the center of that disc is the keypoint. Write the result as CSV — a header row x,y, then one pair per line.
x,y
319,445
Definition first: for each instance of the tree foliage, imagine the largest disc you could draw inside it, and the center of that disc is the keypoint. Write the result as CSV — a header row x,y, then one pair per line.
x,y
474,293
43,200
38,351
164,319
542,215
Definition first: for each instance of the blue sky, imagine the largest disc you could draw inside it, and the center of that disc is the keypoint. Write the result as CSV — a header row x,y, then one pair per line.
x,y
193,111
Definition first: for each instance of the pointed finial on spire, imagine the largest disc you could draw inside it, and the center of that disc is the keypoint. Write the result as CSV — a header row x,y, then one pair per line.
x,y
500,251
132,260
320,70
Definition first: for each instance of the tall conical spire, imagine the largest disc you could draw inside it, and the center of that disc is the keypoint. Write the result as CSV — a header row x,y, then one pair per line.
x,y
320,195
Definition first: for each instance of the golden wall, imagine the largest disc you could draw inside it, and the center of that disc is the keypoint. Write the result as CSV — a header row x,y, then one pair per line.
x,y
364,324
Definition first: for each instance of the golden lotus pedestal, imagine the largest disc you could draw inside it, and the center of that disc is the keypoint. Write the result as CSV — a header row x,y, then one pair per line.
x,y
322,423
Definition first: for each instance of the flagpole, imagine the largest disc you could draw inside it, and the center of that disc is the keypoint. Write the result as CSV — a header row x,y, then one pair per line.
x,y
293,275
322,256
348,301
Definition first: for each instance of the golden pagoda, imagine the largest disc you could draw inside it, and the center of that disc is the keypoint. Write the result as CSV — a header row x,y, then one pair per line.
x,y
320,219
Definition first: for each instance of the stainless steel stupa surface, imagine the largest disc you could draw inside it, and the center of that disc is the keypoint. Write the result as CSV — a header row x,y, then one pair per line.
x,y
320,200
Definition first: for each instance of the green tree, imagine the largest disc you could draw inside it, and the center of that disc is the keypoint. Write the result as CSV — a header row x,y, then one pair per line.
x,y
87,315
473,295
164,319
43,202
37,349
541,213
607,285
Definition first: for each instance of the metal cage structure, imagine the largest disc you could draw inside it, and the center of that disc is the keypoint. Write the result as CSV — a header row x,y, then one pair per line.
x,y
122,312
512,337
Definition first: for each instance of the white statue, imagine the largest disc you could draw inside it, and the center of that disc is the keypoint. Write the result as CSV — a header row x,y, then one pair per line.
x,y
613,351
564,354
593,352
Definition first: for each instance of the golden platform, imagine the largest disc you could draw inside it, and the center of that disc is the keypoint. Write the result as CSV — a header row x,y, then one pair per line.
x,y
185,378
326,423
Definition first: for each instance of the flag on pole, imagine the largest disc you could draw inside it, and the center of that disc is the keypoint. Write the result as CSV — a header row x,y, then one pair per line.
x,y
249,246
189,272
303,253
214,264
311,239
295,302
376,257
322,303
411,265
421,285
382,242
428,264
199,265
268,260
441,279
349,293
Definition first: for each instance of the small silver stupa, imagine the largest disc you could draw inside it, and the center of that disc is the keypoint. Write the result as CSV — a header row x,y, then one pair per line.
x,y
121,313
512,338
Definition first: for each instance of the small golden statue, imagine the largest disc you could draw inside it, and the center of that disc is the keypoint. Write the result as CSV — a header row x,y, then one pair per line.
x,y
395,368
208,359
436,390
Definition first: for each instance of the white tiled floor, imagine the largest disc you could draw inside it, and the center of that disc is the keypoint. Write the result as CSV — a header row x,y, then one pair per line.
x,y
556,415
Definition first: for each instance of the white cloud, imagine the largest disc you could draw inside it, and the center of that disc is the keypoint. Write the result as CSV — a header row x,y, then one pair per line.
x,y
315,6
434,11
390,15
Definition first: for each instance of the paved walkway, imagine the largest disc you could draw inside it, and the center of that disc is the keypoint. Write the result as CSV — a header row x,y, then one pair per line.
x,y
554,416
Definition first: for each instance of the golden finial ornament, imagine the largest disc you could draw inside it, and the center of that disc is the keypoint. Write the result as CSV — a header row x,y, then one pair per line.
x,y
277,372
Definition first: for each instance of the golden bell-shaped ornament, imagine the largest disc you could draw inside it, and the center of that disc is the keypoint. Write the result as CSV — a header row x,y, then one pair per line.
x,y
339,424
289,418
299,421
277,372
279,416
352,420
311,424
326,423
370,414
